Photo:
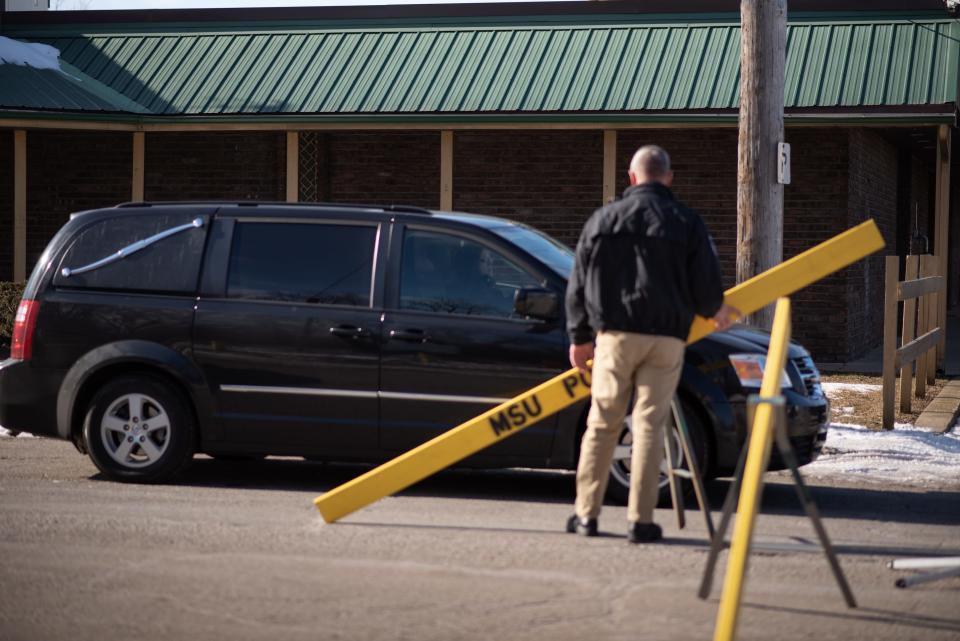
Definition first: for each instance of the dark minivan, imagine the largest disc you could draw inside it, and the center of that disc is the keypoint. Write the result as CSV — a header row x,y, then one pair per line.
x,y
149,332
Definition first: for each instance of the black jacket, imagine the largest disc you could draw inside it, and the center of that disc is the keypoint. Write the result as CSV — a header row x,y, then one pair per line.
x,y
645,264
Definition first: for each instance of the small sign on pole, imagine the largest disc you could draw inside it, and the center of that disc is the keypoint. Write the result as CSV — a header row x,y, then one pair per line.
x,y
783,163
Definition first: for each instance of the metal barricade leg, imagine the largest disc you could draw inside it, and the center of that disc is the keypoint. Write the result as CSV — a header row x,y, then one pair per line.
x,y
718,542
674,475
806,500
694,472
676,487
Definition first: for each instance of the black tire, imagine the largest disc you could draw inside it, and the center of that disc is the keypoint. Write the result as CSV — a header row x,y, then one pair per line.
x,y
117,441
618,488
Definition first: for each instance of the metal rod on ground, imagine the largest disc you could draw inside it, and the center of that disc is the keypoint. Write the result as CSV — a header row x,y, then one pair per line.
x,y
927,578
950,563
925,563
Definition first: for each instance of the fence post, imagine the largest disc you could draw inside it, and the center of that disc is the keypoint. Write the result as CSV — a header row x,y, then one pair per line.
x,y
890,339
909,333
923,326
933,321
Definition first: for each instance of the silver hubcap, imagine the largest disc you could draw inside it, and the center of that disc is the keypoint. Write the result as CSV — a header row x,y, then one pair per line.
x,y
620,470
135,430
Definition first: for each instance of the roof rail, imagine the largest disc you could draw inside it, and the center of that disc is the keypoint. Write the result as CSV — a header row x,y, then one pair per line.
x,y
406,209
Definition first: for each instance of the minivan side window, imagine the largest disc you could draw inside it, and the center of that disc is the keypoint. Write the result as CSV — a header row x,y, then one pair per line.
x,y
323,263
169,266
454,275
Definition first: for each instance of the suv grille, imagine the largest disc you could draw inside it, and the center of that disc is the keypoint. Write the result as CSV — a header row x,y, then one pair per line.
x,y
810,375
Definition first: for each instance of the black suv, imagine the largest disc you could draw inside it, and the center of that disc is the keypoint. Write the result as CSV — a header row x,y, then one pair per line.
x,y
149,332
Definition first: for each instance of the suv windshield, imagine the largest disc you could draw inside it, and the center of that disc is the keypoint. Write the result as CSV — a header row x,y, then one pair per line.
x,y
552,253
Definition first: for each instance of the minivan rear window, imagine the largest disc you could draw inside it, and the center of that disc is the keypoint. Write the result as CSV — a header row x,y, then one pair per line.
x,y
170,265
302,262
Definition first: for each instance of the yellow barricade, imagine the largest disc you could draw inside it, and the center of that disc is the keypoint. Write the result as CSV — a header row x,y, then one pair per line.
x,y
565,389
758,457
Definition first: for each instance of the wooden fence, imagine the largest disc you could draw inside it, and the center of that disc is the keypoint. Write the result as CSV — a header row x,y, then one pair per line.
x,y
921,334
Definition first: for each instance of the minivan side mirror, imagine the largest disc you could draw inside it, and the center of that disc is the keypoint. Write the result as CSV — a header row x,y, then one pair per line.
x,y
537,303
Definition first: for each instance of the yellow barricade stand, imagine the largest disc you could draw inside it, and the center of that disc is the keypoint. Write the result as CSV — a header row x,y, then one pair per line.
x,y
768,426
571,386
758,457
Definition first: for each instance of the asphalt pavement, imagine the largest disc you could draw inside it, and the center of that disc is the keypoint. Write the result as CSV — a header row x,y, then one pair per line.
x,y
237,551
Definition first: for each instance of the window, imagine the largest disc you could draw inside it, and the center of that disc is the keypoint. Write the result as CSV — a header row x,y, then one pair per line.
x,y
169,265
454,275
554,254
302,262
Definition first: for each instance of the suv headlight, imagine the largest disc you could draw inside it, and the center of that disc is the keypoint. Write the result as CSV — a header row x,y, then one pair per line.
x,y
749,369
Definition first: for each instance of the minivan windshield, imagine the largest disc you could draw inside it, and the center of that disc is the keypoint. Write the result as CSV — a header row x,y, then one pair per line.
x,y
551,252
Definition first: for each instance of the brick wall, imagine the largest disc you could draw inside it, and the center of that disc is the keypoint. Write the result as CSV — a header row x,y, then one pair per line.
x,y
215,166
380,168
70,171
552,180
872,194
6,205
704,163
815,209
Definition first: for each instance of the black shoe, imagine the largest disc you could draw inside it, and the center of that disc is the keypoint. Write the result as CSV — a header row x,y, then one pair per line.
x,y
644,532
576,525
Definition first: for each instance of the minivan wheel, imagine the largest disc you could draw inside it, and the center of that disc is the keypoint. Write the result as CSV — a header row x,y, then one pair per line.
x,y
138,429
618,487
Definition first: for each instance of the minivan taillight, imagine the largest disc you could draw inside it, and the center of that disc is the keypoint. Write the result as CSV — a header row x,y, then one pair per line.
x,y
23,325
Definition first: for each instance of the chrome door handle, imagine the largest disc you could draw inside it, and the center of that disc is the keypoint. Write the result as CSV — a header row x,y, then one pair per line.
x,y
410,335
348,331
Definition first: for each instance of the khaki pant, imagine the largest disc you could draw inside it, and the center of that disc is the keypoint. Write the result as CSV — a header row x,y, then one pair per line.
x,y
627,364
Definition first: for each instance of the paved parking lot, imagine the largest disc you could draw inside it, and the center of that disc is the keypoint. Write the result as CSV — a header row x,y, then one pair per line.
x,y
237,551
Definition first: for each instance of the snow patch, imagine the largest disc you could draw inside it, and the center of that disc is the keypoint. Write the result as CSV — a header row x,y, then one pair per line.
x,y
860,388
5,433
29,54
904,456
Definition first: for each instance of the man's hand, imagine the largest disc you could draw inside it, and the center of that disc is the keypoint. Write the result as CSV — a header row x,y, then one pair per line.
x,y
727,315
580,354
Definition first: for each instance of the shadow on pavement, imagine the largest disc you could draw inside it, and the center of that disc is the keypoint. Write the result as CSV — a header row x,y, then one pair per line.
x,y
554,486
297,475
873,615
799,546
870,504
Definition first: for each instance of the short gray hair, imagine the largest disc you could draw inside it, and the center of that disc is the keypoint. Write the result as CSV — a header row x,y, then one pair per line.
x,y
651,161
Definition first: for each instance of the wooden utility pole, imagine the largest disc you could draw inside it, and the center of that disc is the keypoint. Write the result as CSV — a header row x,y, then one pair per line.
x,y
763,44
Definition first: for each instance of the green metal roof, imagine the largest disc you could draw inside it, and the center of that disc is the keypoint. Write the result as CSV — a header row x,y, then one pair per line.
x,y
524,70
23,87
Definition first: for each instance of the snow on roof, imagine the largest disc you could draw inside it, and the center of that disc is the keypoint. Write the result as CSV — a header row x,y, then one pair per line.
x,y
29,54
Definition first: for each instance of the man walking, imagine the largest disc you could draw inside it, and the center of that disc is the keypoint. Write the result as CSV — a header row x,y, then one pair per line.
x,y
645,265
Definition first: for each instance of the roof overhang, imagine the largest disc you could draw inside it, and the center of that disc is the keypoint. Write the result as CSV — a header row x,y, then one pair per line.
x,y
906,117
688,9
